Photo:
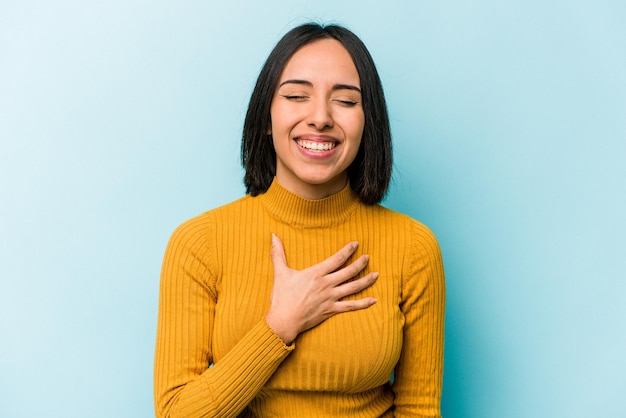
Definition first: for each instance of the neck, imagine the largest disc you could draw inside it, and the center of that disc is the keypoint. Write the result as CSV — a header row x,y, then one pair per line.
x,y
314,191
300,211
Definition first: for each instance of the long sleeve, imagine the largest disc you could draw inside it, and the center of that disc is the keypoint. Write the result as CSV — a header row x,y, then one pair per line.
x,y
184,384
419,372
217,357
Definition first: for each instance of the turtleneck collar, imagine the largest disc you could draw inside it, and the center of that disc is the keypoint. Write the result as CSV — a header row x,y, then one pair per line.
x,y
298,211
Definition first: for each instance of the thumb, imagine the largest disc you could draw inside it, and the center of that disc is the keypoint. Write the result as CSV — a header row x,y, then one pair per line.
x,y
278,254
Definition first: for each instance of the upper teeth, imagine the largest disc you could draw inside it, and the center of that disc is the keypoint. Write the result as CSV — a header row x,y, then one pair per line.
x,y
317,146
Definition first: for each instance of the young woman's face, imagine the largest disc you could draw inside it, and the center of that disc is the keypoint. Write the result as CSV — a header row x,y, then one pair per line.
x,y
317,119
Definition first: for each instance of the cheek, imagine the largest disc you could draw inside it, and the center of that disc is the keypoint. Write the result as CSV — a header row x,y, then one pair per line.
x,y
355,136
356,128
358,136
280,120
352,123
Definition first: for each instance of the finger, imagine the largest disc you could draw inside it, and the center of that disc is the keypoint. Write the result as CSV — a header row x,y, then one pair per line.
x,y
354,286
353,305
336,260
278,254
349,271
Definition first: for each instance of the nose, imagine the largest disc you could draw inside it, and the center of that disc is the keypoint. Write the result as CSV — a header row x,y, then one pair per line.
x,y
320,116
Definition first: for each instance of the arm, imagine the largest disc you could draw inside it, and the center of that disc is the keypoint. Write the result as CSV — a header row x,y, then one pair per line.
x,y
419,373
184,384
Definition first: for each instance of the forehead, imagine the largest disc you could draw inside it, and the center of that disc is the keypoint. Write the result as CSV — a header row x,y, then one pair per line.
x,y
324,59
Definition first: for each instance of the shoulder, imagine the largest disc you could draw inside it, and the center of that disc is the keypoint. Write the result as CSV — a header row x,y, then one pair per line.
x,y
415,229
200,228
418,240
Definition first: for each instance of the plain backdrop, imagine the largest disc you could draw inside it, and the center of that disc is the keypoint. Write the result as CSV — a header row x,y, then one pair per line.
x,y
120,119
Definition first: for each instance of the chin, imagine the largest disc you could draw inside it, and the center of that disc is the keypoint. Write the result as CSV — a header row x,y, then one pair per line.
x,y
317,180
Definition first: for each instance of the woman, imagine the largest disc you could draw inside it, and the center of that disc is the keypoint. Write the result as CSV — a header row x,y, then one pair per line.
x,y
302,298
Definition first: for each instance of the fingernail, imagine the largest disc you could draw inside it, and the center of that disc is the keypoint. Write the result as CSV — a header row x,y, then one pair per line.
x,y
373,301
355,245
273,240
375,275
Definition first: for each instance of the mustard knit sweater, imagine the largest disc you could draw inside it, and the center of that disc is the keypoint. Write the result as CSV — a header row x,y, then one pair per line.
x,y
216,355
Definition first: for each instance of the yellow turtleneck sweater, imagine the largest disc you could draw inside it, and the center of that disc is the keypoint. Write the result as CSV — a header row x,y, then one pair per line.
x,y
216,355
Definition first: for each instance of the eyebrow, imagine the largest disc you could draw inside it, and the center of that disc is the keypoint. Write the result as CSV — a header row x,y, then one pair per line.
x,y
309,84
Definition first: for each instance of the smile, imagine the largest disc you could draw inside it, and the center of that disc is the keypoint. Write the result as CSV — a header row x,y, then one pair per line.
x,y
316,146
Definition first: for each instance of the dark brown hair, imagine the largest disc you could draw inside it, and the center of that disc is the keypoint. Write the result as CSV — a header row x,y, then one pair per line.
x,y
370,172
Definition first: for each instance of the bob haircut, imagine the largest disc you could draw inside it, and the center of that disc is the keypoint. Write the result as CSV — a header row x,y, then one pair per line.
x,y
370,172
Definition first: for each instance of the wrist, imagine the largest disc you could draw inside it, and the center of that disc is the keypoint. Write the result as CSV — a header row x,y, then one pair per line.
x,y
281,329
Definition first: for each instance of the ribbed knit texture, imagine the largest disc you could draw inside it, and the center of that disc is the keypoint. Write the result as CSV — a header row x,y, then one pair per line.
x,y
215,291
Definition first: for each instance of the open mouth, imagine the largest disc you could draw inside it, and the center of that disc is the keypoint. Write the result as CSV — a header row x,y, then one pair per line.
x,y
316,146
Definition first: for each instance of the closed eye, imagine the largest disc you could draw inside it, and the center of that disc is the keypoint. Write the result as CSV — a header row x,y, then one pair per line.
x,y
294,97
349,103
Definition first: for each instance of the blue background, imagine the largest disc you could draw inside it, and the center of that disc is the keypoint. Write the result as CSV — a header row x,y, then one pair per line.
x,y
120,119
